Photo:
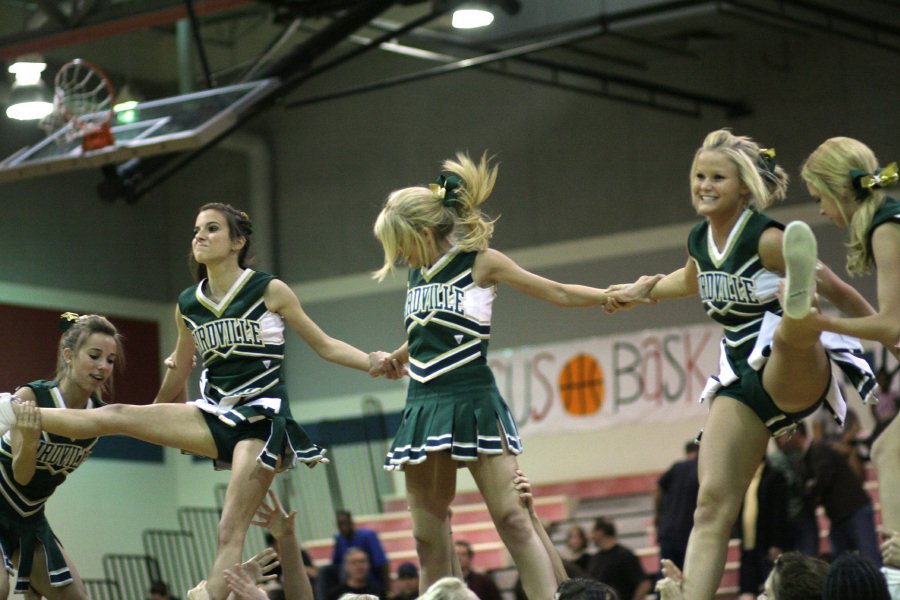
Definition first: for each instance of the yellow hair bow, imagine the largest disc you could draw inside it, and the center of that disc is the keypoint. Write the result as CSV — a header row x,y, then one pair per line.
x,y
882,178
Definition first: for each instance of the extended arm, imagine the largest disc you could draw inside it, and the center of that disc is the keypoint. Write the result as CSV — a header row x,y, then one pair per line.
x,y
177,372
882,326
492,267
677,284
281,299
25,436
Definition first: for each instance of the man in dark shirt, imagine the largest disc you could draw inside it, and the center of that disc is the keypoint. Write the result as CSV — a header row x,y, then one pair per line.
x,y
831,482
407,584
616,565
357,581
676,500
480,583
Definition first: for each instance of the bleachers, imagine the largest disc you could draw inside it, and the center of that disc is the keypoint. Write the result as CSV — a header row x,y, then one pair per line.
x,y
627,500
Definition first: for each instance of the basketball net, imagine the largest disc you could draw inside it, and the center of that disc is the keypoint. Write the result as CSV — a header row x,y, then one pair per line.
x,y
83,102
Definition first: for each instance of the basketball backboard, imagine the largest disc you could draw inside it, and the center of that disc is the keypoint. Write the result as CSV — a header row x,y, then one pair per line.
x,y
162,126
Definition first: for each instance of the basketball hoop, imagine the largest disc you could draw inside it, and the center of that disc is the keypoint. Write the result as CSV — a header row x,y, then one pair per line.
x,y
82,104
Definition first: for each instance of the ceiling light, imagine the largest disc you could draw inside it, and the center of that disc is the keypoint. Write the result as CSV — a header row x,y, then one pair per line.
x,y
472,18
29,99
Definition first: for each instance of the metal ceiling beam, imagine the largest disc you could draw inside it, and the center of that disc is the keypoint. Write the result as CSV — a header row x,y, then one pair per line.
x,y
110,23
830,20
653,92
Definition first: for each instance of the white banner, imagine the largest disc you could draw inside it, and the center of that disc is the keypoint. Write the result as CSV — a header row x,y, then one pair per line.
x,y
649,376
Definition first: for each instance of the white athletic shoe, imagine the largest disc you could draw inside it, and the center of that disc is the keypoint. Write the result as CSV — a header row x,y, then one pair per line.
x,y
7,414
799,248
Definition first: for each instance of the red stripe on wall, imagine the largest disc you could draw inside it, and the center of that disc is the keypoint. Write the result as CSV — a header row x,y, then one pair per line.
x,y
30,339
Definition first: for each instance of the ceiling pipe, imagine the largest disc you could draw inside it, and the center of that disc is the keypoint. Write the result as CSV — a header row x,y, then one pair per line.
x,y
113,25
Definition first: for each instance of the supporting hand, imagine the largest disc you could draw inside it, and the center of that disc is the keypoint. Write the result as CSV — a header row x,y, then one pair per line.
x,y
259,567
241,584
523,486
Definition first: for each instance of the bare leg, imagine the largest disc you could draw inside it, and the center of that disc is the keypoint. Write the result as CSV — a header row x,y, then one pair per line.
x,y
41,583
886,455
247,487
175,425
734,441
513,523
797,373
430,488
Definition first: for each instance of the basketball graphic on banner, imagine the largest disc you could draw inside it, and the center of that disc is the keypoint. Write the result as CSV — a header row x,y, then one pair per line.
x,y
581,385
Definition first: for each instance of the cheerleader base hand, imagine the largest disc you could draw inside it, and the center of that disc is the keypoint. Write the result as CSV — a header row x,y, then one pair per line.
x,y
242,585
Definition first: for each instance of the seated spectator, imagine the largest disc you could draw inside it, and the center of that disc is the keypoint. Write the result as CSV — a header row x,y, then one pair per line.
x,y
581,588
616,565
675,501
852,577
357,577
406,586
159,590
481,584
796,576
576,549
448,588
351,536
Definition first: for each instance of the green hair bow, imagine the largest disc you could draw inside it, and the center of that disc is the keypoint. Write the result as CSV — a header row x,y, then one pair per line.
x,y
446,189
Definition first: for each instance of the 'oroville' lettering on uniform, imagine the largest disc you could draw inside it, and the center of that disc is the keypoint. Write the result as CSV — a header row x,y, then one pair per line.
x,y
435,296
723,287
226,333
61,457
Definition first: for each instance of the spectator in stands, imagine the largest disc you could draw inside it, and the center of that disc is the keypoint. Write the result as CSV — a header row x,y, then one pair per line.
x,y
576,548
357,576
350,536
616,565
406,586
796,576
448,588
804,526
580,588
480,583
843,439
675,502
159,590
852,577
832,483
763,528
